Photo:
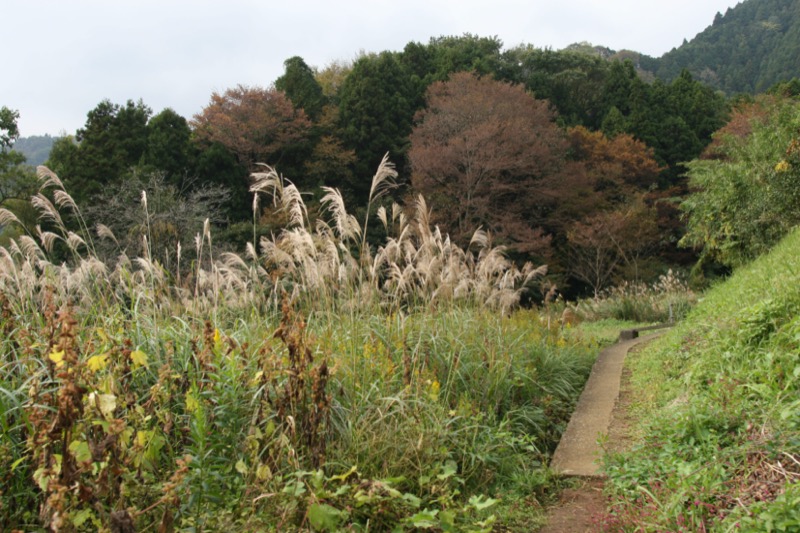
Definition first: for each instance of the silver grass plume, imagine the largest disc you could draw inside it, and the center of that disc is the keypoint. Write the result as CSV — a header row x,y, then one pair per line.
x,y
63,199
48,178
104,232
7,217
47,210
383,218
384,179
30,249
48,238
74,241
346,225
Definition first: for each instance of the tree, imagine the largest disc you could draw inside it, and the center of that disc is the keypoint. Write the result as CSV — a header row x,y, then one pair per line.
x,y
480,152
330,163
169,145
301,87
593,249
17,180
258,125
375,113
113,140
570,80
8,127
168,217
602,244
745,187
331,78
618,168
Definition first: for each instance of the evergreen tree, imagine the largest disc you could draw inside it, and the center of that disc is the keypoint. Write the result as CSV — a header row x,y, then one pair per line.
x,y
376,111
169,145
301,87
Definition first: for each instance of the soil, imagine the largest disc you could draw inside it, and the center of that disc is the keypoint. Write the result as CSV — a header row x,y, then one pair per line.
x,y
582,508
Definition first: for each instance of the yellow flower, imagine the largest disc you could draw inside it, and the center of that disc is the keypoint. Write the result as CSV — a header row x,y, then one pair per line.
x,y
434,392
783,166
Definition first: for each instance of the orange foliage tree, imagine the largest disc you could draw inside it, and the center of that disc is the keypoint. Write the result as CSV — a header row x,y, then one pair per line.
x,y
617,168
258,125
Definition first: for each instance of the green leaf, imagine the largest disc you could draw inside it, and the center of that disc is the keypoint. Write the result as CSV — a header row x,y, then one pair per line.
x,y
16,463
481,502
79,518
425,519
41,479
294,488
323,517
449,469
241,467
80,449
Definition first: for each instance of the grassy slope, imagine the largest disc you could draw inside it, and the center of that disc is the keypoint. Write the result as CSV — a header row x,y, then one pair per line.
x,y
720,411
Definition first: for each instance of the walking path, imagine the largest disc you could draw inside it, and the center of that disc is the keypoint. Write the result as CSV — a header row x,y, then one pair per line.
x,y
578,453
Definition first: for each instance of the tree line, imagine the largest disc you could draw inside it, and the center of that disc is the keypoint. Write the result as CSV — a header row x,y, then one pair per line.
x,y
565,156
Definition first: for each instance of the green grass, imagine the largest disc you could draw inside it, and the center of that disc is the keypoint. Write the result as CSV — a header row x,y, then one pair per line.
x,y
718,400
439,412
309,384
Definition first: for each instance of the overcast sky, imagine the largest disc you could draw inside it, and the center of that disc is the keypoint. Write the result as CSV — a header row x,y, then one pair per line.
x,y
63,57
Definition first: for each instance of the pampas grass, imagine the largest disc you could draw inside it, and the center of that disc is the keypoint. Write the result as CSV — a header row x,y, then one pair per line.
x,y
328,263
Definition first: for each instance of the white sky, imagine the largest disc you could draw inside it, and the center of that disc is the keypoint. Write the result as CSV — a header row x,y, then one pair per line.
x,y
62,57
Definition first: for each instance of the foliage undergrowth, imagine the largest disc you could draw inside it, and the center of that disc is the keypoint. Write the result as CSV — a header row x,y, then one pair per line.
x,y
668,299
719,399
315,385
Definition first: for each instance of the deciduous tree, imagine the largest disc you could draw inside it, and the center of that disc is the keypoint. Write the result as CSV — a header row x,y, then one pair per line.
x,y
618,168
746,190
480,152
258,125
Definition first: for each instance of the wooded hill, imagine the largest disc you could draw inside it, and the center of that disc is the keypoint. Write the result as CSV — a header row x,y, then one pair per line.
x,y
747,50
615,141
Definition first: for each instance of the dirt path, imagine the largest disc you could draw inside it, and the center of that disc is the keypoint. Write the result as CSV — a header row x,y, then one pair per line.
x,y
582,508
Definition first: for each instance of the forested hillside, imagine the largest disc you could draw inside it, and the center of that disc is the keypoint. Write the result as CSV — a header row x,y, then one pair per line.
x,y
610,150
748,49
351,298
35,148
611,144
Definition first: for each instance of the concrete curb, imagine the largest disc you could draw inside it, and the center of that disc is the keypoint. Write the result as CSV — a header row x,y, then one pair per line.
x,y
578,453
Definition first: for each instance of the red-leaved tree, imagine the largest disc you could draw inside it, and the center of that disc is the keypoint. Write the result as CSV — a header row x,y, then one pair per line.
x,y
481,152
258,125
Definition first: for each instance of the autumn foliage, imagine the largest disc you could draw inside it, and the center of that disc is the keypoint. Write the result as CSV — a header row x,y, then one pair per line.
x,y
480,151
256,124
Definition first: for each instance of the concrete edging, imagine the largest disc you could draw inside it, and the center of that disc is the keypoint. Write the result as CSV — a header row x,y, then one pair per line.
x,y
633,333
578,453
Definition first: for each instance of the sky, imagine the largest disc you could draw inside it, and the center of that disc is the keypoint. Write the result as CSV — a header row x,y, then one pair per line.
x,y
62,58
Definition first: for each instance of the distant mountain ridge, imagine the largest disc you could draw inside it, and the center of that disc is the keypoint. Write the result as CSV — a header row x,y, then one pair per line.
x,y
749,49
35,148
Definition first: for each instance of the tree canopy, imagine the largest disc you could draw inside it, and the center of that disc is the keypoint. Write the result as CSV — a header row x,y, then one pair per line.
x,y
746,195
479,152
258,125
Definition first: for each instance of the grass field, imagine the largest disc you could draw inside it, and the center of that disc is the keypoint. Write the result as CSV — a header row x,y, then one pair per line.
x,y
718,397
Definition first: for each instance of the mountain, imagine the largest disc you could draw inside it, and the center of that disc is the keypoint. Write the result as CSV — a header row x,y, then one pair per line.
x,y
750,48
35,148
